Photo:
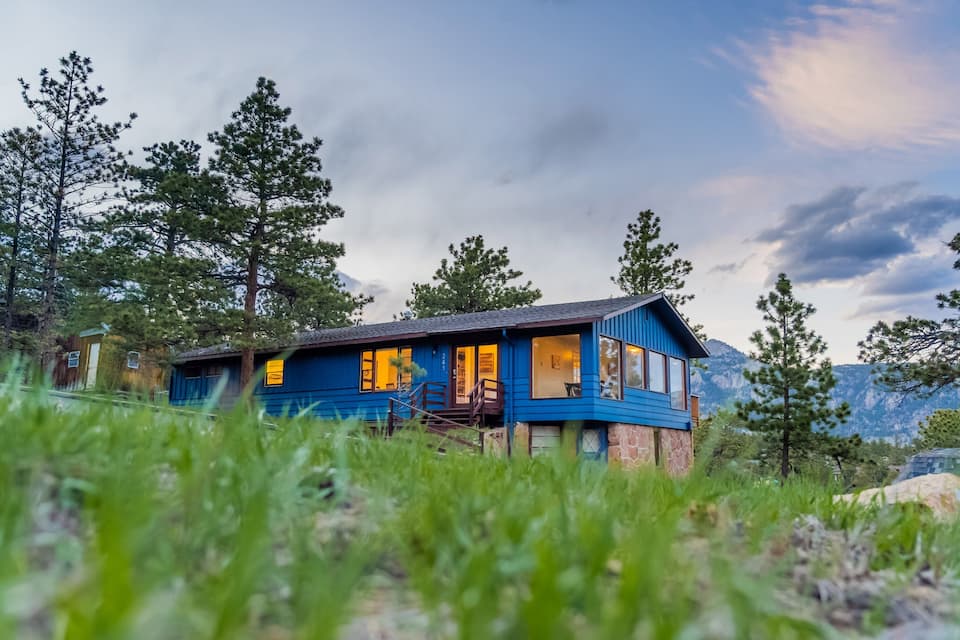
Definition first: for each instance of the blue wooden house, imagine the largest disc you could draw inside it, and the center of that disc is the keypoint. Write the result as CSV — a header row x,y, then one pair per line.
x,y
613,374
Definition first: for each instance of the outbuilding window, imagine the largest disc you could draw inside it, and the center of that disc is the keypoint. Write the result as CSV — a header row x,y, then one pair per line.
x,y
133,359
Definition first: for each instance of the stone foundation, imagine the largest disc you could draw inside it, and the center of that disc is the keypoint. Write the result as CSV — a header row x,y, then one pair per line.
x,y
495,442
633,445
630,445
520,444
676,451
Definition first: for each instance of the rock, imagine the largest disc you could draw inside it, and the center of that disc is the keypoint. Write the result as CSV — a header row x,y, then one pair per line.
x,y
940,492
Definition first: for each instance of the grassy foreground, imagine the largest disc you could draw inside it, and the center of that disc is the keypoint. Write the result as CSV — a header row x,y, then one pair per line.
x,y
125,524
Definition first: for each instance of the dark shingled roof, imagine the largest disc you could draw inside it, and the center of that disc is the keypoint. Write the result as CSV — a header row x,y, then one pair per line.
x,y
535,316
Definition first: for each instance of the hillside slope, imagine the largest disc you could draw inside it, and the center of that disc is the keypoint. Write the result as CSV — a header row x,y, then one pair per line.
x,y
875,413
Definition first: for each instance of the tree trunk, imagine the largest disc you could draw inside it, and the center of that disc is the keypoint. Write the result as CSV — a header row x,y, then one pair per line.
x,y
49,309
249,316
785,452
14,255
250,301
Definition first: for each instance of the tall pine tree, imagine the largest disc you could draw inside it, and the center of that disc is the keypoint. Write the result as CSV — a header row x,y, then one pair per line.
x,y
21,154
648,266
791,389
268,234
477,279
154,258
918,355
81,165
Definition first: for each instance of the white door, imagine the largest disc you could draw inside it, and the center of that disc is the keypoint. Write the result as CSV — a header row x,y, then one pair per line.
x,y
93,359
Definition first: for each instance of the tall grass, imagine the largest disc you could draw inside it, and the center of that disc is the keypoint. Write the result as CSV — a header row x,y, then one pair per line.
x,y
138,523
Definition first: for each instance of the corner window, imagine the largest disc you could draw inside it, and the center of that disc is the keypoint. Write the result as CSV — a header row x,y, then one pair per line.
x,y
133,359
555,367
379,371
658,372
610,379
634,367
678,384
274,374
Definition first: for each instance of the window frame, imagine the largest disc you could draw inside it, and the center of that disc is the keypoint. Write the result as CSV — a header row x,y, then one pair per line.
x,y
683,384
401,377
579,335
666,372
620,376
133,360
194,367
643,366
207,371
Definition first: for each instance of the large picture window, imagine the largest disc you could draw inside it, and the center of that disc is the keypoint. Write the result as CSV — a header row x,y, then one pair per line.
x,y
555,368
610,378
378,369
678,384
634,367
658,372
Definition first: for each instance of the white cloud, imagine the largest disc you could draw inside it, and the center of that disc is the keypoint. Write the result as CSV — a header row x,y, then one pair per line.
x,y
861,75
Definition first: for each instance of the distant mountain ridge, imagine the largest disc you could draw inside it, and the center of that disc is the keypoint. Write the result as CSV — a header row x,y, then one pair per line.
x,y
875,413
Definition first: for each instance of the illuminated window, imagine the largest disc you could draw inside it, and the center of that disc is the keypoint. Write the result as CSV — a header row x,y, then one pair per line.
x,y
379,371
678,384
634,367
658,372
556,367
610,368
274,377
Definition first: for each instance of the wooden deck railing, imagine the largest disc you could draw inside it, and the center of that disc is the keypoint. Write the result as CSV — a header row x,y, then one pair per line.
x,y
486,398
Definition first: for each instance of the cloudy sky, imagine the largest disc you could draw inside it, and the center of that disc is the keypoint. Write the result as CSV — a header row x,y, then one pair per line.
x,y
822,140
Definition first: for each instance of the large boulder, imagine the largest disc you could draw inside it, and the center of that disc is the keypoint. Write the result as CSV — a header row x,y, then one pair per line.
x,y
940,492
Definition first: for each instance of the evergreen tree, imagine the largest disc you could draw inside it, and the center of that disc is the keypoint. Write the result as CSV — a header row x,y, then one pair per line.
x,y
153,259
648,266
916,355
941,429
21,153
81,164
477,279
268,233
791,389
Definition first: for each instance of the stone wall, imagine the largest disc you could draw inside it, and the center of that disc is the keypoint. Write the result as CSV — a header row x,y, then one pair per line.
x,y
630,445
520,445
495,442
676,451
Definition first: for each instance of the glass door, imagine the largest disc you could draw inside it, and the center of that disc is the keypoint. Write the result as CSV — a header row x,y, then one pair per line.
x,y
473,363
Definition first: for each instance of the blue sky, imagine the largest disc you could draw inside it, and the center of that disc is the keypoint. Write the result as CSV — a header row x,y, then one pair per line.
x,y
819,139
